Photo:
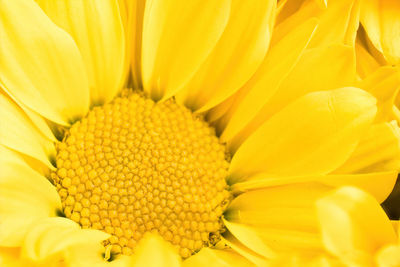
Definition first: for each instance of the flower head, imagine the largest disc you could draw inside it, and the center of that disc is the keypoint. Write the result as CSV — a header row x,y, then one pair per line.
x,y
164,133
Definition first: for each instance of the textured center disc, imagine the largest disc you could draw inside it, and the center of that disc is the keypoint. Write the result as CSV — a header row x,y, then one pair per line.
x,y
134,166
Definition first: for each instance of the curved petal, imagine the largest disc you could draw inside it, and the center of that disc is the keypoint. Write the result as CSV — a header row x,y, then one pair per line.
x,y
379,150
389,256
134,39
10,257
338,21
318,69
295,259
368,182
231,241
279,240
17,132
93,254
40,64
25,196
96,27
36,119
40,123
366,63
313,135
289,207
250,238
216,258
236,56
381,20
280,218
178,36
364,226
280,60
153,250
384,84
50,236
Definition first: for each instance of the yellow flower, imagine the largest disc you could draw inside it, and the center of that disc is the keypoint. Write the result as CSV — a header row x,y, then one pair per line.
x,y
168,133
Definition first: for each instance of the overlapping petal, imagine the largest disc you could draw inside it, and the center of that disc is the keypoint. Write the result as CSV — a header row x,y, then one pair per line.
x,y
326,68
236,56
166,255
379,150
25,196
381,20
339,20
97,30
171,53
216,258
280,219
50,237
316,141
364,227
18,132
281,58
40,64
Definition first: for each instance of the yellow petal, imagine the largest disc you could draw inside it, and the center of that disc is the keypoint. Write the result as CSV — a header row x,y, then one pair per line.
x,y
96,27
379,184
366,63
19,133
279,240
178,36
313,135
378,151
295,259
250,238
25,196
144,254
381,20
10,257
11,156
218,111
36,119
276,66
37,196
367,43
93,254
332,67
231,241
364,226
128,13
134,39
384,84
287,8
216,258
322,3
389,256
289,207
40,123
338,21
236,56
40,64
50,236
367,182
280,7
280,218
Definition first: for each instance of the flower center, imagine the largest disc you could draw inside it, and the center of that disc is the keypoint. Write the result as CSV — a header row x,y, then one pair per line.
x,y
134,166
